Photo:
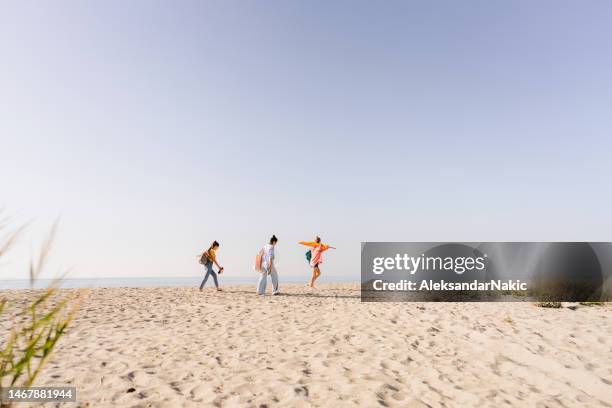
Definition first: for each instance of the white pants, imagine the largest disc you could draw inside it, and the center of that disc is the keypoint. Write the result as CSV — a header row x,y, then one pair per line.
x,y
263,281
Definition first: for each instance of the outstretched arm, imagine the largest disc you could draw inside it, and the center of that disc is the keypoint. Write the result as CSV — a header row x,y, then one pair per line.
x,y
326,247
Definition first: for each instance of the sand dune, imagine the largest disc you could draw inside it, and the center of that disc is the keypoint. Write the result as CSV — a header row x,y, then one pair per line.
x,y
175,346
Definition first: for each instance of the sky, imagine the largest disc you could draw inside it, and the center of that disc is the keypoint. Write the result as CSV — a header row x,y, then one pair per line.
x,y
152,128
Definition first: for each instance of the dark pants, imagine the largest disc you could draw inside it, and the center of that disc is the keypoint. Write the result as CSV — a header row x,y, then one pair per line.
x,y
209,272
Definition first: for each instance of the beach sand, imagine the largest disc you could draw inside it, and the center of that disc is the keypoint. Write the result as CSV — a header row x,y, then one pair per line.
x,y
176,346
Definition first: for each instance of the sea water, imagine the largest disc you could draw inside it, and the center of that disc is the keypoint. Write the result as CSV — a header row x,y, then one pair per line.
x,y
135,282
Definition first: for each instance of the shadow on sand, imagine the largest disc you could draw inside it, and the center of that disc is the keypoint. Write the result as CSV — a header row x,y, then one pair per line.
x,y
318,293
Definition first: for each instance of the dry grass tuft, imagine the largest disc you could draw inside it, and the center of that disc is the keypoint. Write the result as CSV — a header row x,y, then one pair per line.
x,y
551,305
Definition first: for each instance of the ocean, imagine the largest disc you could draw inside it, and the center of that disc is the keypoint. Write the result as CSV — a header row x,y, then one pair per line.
x,y
159,281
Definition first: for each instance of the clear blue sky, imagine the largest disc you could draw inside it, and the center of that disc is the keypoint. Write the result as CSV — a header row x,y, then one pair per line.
x,y
153,128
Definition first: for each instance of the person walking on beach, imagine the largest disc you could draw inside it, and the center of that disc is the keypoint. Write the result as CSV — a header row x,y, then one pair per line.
x,y
207,259
315,257
268,268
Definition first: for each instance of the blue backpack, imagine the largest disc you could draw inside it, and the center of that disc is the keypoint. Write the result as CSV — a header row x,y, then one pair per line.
x,y
308,256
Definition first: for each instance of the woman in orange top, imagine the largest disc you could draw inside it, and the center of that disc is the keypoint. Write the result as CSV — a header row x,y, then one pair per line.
x,y
316,258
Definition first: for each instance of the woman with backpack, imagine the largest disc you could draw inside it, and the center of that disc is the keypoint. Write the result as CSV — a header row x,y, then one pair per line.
x,y
207,259
315,257
267,267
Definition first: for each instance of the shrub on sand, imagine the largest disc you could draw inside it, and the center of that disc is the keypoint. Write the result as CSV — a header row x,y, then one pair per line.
x,y
592,303
551,305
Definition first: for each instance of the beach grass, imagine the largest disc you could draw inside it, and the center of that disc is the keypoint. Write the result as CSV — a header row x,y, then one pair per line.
x,y
550,305
36,326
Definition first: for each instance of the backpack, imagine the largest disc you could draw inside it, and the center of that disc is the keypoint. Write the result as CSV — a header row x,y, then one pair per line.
x,y
258,260
204,259
308,256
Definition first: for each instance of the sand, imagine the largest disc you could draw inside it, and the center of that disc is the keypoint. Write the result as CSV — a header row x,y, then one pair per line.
x,y
176,346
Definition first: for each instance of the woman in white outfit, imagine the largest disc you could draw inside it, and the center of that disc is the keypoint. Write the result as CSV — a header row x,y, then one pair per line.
x,y
268,268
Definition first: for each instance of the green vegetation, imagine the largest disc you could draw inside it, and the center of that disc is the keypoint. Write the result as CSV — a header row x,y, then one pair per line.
x,y
592,303
35,326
